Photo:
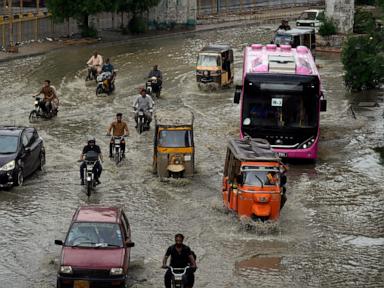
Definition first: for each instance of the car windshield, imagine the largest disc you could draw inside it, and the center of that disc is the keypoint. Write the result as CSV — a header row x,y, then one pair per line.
x,y
94,234
175,138
261,176
308,16
208,60
8,144
277,105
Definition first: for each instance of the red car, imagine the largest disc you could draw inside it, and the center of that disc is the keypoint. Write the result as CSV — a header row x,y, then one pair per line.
x,y
96,251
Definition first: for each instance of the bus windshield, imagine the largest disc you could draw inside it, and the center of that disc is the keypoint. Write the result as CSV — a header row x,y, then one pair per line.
x,y
208,60
175,138
280,105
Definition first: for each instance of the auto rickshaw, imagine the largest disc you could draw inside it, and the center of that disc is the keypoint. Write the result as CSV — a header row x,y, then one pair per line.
x,y
254,179
215,66
297,37
173,154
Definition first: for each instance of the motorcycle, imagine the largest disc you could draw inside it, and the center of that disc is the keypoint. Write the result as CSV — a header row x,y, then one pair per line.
x,y
37,112
91,73
153,87
142,123
177,276
105,83
118,152
90,160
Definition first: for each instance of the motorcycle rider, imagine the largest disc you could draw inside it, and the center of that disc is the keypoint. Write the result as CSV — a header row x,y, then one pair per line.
x,y
155,72
144,103
120,129
49,95
181,257
284,26
109,72
95,63
91,146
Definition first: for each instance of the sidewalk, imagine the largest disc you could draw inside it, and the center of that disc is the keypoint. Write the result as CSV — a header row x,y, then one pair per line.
x,y
107,37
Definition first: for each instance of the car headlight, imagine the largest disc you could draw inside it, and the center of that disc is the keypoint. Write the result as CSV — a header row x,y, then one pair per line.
x,y
66,269
9,166
116,271
298,24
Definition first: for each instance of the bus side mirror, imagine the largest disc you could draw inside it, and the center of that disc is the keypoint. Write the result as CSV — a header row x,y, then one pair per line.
x,y
236,98
323,105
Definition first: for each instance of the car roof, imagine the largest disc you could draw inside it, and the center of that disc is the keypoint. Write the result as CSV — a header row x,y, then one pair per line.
x,y
97,214
216,48
12,130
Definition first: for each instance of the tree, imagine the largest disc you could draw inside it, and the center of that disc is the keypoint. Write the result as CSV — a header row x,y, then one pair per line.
x,y
137,8
78,9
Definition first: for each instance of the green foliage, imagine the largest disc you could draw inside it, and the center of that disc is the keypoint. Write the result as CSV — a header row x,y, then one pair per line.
x,y
363,60
137,25
89,31
364,22
327,27
365,2
141,6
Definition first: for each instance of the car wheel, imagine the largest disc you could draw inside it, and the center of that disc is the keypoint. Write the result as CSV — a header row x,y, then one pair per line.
x,y
19,178
58,285
42,161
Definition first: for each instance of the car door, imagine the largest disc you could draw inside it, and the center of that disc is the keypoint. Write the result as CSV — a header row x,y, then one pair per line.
x,y
26,155
34,145
126,237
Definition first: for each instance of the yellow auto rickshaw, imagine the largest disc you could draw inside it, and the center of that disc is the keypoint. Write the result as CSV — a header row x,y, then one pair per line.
x,y
173,154
215,66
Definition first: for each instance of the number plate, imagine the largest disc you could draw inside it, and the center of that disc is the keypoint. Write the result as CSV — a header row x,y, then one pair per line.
x,y
141,113
282,154
187,157
81,284
277,102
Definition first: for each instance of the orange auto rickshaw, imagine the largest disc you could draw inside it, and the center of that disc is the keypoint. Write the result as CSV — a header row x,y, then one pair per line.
x,y
254,179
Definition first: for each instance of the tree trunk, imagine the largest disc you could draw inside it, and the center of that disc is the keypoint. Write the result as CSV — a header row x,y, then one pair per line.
x,y
85,21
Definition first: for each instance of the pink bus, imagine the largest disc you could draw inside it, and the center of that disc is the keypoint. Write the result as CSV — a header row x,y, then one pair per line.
x,y
281,99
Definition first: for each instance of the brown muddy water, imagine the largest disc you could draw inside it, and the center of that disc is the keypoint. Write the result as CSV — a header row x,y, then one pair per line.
x,y
331,231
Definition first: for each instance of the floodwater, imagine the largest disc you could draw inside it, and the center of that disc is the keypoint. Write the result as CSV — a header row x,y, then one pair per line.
x,y
331,231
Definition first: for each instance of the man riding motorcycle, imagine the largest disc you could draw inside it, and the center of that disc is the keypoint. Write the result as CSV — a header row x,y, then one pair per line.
x,y
108,71
91,146
156,73
50,101
94,63
143,103
181,257
120,129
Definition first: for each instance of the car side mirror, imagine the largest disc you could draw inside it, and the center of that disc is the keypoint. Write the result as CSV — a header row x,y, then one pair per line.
x,y
59,242
236,98
129,244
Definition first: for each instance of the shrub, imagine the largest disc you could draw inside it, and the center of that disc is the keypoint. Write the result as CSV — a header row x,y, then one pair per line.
x,y
137,25
327,27
363,22
363,60
89,31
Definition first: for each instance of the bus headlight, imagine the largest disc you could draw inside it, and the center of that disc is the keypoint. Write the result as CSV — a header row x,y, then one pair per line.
x,y
307,143
66,270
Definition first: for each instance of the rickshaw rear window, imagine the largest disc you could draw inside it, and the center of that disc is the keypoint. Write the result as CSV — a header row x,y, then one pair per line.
x,y
175,138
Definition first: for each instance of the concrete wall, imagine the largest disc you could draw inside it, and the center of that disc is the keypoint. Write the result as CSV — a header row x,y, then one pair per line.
x,y
174,12
342,12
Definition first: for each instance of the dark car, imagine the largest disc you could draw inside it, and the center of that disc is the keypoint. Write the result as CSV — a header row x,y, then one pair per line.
x,y
21,153
96,250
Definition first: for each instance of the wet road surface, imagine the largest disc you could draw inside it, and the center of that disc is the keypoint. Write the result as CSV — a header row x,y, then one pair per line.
x,y
330,234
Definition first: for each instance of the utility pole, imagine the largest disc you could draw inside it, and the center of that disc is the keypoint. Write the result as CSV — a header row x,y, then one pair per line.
x,y
10,23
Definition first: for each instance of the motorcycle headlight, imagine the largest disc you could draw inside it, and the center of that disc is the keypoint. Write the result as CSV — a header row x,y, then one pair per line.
x,y
36,102
116,271
206,73
66,270
9,166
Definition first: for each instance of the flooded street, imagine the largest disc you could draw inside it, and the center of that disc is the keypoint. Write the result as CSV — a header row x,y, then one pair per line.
x,y
331,230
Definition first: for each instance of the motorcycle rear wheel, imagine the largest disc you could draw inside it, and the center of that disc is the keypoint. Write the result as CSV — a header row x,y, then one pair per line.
x,y
99,90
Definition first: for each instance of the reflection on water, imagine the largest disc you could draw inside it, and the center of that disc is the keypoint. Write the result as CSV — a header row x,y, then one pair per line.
x,y
330,230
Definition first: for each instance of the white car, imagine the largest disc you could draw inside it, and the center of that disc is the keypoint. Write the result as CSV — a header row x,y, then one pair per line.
x,y
310,18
